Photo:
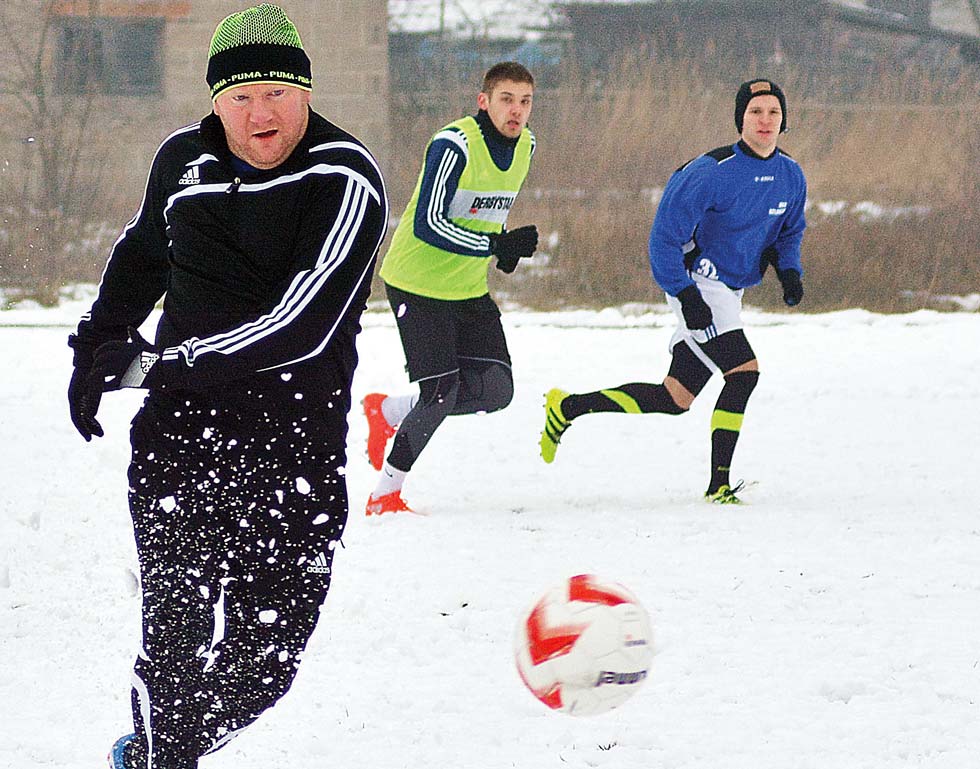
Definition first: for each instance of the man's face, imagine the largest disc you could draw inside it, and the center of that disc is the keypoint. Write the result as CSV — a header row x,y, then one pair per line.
x,y
760,125
263,122
509,106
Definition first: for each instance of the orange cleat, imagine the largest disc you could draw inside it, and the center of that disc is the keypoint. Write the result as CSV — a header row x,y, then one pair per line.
x,y
379,431
387,503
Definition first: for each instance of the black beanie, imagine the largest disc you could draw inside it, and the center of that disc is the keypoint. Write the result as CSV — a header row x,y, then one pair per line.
x,y
257,45
758,87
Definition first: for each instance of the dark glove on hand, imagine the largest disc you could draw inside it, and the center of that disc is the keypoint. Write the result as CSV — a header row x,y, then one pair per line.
x,y
122,364
697,314
83,405
792,286
507,264
514,244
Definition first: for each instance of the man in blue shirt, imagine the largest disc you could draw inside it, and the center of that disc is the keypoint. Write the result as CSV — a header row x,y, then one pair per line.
x,y
724,218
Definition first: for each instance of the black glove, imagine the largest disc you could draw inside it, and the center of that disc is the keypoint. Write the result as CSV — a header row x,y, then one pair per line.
x,y
792,286
83,405
507,264
513,244
697,314
122,364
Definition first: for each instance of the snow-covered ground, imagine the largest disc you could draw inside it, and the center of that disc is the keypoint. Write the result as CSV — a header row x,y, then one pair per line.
x,y
832,622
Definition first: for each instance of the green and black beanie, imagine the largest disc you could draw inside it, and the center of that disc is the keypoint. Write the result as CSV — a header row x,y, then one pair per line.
x,y
257,45
758,87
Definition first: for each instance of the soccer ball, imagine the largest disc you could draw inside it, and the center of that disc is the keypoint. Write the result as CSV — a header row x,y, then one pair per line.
x,y
585,646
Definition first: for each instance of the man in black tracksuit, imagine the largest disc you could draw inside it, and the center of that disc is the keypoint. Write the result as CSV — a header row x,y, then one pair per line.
x,y
259,228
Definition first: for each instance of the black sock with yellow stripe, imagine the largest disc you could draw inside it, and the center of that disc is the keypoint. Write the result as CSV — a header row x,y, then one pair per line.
x,y
635,398
726,423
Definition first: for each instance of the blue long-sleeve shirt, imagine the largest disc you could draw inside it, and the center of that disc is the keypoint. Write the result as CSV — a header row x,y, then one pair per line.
x,y
721,211
444,163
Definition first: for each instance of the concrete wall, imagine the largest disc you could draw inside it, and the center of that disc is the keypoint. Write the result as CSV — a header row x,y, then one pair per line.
x,y
346,40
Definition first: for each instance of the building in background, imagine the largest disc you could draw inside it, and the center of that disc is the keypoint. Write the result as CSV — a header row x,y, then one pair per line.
x,y
842,43
105,81
839,44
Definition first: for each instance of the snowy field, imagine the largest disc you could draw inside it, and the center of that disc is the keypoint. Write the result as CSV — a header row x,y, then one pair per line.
x,y
832,622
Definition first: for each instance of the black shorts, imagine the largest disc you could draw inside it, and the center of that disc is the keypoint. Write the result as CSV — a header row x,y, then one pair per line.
x,y
438,333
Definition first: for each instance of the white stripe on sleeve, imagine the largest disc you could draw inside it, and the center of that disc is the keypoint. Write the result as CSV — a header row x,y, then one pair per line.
x,y
434,216
304,287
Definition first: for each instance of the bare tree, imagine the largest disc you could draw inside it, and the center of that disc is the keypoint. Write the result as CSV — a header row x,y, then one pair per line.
x,y
975,11
49,88
55,117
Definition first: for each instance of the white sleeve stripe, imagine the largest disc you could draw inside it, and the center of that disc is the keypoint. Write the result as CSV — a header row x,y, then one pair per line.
x,y
457,138
439,224
315,280
332,236
434,215
321,168
356,148
350,298
201,160
302,290
306,288
299,289
139,212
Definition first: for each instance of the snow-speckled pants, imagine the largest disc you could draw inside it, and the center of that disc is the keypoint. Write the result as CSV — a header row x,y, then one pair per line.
x,y
236,525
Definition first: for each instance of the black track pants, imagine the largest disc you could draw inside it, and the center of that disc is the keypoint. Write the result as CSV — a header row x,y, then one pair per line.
x,y
235,530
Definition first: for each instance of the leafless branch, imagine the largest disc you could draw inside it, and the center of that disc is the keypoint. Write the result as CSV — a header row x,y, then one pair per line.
x,y
975,10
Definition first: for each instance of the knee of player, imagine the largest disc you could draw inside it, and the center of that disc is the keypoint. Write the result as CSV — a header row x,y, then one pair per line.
x,y
744,378
440,393
498,388
679,398
503,400
737,390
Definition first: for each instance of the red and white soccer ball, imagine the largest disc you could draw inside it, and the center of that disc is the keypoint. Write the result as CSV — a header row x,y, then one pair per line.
x,y
585,646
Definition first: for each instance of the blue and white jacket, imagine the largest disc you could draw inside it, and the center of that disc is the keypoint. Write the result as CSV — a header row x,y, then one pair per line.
x,y
444,163
726,215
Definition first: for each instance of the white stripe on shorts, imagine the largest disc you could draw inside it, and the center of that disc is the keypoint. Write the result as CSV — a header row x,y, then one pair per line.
x,y
726,312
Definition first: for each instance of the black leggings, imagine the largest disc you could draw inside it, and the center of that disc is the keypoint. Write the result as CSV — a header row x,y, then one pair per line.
x,y
478,386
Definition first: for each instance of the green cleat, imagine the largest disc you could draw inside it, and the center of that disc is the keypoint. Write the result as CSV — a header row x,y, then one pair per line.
x,y
725,495
555,424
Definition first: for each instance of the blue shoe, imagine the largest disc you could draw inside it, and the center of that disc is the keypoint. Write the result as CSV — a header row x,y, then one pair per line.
x,y
117,756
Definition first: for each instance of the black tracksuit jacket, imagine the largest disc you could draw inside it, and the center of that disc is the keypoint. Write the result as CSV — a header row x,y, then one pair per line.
x,y
264,277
